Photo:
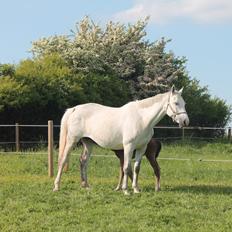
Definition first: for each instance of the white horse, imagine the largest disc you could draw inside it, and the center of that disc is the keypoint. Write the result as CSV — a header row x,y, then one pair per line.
x,y
129,127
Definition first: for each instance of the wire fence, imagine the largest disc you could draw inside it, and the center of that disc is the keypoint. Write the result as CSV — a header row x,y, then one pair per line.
x,y
165,133
38,138
20,137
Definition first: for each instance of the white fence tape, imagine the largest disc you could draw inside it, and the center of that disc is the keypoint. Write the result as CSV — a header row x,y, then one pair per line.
x,y
113,156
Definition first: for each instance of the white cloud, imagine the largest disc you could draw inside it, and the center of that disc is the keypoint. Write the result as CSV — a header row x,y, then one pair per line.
x,y
165,11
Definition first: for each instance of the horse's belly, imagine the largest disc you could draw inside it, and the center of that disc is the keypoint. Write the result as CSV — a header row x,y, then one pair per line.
x,y
109,144
105,131
106,137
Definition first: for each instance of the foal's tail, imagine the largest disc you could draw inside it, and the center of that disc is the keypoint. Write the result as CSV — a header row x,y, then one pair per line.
x,y
63,132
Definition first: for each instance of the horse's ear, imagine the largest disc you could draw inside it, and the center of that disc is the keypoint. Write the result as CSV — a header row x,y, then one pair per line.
x,y
181,90
173,89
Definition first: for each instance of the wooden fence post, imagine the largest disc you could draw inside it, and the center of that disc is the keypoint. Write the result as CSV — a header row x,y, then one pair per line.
x,y
183,135
50,149
229,134
17,142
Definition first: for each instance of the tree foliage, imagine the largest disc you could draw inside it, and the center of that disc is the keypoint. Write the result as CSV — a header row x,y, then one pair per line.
x,y
7,70
205,109
119,50
44,87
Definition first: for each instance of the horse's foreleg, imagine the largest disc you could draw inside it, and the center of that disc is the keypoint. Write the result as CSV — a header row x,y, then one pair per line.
x,y
84,162
120,156
128,152
62,162
138,157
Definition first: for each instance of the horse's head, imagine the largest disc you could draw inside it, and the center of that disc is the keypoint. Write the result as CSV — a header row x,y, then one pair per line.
x,y
176,108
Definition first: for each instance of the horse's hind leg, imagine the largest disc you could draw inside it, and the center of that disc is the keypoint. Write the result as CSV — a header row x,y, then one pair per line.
x,y
84,161
62,161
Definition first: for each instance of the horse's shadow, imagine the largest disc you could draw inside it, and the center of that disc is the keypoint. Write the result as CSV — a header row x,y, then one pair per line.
x,y
196,189
205,189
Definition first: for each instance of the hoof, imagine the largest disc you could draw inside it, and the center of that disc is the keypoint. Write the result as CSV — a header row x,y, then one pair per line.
x,y
118,188
157,187
126,192
85,185
55,189
137,190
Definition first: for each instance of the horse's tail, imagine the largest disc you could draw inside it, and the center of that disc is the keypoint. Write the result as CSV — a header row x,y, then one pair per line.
x,y
63,132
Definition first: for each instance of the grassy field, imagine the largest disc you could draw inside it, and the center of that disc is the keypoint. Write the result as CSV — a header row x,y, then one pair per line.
x,y
195,195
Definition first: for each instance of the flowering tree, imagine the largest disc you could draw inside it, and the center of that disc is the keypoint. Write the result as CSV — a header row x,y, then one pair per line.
x,y
117,49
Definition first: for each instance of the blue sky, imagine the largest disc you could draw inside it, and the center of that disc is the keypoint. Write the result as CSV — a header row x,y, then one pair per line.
x,y
201,30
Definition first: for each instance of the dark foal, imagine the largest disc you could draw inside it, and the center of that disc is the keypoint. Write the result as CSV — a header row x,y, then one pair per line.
x,y
152,152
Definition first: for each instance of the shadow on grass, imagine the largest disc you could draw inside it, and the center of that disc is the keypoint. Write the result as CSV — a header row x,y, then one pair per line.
x,y
207,189
197,189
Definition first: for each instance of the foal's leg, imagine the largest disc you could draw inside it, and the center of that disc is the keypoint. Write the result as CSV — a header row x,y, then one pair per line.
x,y
66,166
152,153
63,159
128,152
84,162
138,157
151,158
120,156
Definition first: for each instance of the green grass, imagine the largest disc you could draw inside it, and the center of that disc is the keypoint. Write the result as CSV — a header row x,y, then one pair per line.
x,y
195,196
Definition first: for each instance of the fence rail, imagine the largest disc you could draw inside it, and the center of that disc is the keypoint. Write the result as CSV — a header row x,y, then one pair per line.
x,y
182,134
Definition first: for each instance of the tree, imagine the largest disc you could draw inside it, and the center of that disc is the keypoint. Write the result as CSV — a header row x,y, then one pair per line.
x,y
119,50
12,95
205,110
42,87
46,86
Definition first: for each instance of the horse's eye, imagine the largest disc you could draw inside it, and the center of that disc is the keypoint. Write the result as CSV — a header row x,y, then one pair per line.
x,y
176,103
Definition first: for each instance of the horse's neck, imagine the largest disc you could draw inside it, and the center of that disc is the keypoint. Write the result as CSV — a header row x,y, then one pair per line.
x,y
154,111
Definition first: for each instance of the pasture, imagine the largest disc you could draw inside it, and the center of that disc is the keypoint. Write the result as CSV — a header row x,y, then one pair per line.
x,y
195,195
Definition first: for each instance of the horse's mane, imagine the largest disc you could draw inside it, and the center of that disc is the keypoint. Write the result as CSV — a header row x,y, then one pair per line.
x,y
147,102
